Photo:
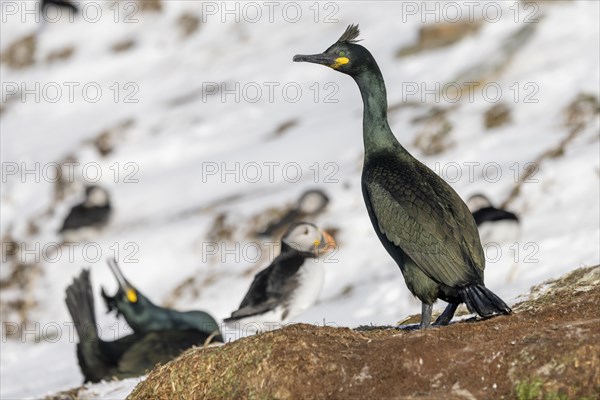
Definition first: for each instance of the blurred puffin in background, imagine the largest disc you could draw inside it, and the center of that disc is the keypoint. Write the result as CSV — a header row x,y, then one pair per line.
x,y
93,213
495,225
52,10
65,4
290,285
310,204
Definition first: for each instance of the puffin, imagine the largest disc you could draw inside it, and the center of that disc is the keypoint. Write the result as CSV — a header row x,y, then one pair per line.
x,y
129,356
496,225
289,285
61,4
94,212
420,220
143,316
310,204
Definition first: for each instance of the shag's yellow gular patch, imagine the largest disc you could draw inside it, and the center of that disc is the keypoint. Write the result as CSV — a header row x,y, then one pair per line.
x,y
339,62
132,295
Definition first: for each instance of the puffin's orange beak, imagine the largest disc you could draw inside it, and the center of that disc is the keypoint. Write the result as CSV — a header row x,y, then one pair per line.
x,y
331,244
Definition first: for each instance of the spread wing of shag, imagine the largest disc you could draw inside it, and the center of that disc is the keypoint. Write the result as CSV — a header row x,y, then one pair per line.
x,y
164,345
268,288
434,234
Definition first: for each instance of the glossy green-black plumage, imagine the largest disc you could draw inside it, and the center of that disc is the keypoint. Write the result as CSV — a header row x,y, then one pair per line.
x,y
129,356
133,355
144,316
421,221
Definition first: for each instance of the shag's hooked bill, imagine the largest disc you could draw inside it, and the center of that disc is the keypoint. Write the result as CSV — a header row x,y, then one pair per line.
x,y
421,221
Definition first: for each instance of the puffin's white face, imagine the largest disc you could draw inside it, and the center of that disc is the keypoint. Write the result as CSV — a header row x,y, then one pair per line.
x,y
308,238
311,203
477,202
96,198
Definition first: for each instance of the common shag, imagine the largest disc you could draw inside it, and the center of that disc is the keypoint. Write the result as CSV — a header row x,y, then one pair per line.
x,y
495,225
290,285
144,316
129,356
94,212
421,221
311,203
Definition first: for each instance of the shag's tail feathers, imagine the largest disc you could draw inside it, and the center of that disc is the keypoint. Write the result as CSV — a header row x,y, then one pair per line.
x,y
483,301
80,302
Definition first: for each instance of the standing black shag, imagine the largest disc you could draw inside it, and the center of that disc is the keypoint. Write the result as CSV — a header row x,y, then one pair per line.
x,y
290,285
129,356
421,221
144,316
310,204
496,225
94,212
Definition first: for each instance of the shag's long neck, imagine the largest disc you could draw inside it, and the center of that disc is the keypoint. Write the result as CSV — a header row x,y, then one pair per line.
x,y
142,321
377,135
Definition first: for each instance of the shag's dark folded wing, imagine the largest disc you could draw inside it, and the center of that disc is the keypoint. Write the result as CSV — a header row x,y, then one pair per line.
x,y
422,215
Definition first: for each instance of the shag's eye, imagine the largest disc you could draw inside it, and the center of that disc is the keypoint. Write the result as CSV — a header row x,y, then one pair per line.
x,y
342,53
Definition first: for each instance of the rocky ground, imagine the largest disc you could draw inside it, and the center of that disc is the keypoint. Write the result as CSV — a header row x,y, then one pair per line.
x,y
549,348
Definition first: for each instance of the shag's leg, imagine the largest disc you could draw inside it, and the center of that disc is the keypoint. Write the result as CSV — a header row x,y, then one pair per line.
x,y
446,316
426,315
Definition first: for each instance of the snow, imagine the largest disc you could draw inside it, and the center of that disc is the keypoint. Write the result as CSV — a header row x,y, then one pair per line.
x,y
179,137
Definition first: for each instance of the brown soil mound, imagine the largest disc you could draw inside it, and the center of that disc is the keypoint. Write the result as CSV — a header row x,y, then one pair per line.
x,y
549,348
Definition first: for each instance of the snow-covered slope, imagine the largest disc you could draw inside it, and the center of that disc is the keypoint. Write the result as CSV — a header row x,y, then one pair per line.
x,y
180,137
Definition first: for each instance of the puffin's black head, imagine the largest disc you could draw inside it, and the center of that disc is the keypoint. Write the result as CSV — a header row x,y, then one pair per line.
x,y
344,55
307,239
128,300
95,196
312,202
477,202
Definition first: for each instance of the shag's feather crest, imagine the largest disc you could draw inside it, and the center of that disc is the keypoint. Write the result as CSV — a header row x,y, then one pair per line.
x,y
350,35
